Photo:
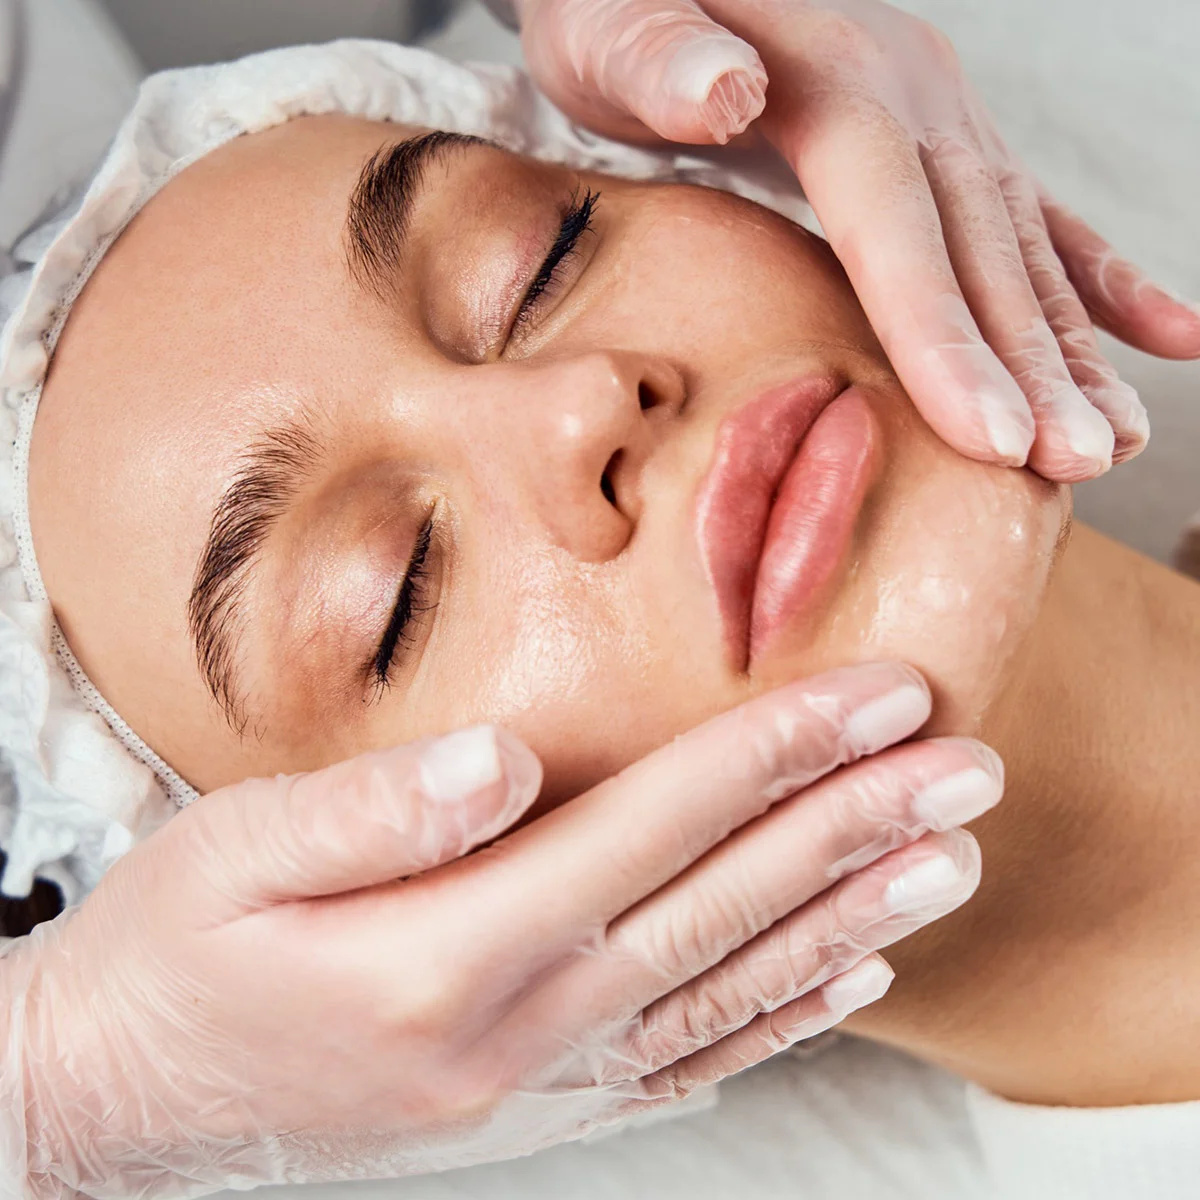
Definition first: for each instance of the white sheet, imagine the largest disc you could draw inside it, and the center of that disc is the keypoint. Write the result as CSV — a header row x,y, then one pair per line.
x,y
856,1122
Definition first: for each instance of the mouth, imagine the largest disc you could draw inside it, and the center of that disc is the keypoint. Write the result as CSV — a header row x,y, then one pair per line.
x,y
776,513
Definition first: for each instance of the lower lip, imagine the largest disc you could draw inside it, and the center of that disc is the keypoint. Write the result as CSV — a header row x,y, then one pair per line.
x,y
813,517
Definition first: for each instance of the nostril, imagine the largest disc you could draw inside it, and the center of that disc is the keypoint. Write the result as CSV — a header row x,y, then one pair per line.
x,y
646,397
606,483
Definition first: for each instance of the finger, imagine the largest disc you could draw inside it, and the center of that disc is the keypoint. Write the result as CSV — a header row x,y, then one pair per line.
x,y
1074,441
663,62
771,1032
903,891
681,936
1072,326
605,851
1119,297
861,173
372,819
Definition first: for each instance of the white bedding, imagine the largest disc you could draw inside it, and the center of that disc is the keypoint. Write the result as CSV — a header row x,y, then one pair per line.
x,y
856,1122
77,78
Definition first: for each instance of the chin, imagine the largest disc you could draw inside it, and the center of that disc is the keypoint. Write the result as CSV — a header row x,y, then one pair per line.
x,y
948,572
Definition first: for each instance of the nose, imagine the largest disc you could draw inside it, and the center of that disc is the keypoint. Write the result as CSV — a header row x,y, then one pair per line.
x,y
588,424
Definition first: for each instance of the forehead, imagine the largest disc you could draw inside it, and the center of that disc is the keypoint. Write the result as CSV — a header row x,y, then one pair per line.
x,y
224,295
227,301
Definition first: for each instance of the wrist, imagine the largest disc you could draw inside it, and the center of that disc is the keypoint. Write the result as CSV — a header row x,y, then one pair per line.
x,y
49,1077
27,1137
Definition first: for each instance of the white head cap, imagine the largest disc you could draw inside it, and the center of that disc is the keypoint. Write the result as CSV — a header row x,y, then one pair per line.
x,y
77,785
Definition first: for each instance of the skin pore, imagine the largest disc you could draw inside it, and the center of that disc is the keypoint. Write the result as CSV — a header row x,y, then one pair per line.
x,y
558,453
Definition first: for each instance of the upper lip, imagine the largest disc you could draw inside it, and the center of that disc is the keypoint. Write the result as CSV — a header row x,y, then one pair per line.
x,y
754,446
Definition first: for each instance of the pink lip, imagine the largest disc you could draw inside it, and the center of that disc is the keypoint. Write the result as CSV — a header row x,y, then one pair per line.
x,y
776,512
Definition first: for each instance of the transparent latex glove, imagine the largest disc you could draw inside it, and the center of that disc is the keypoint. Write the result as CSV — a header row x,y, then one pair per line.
x,y
980,286
312,979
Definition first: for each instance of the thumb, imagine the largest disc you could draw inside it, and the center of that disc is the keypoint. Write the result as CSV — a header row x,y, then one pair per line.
x,y
663,62
369,820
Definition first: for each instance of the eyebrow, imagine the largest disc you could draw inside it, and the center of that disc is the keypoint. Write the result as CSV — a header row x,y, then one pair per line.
x,y
267,479
382,203
378,217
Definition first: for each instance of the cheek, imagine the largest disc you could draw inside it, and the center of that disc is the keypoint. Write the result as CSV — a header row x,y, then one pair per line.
x,y
721,281
587,665
543,647
949,573
956,571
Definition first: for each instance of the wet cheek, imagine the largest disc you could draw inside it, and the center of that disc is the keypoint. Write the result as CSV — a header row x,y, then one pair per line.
x,y
954,587
568,663
739,278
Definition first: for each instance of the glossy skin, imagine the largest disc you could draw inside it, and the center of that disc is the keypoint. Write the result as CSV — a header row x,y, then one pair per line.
x,y
583,623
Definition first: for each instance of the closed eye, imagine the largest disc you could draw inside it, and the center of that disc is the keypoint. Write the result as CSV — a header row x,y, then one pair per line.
x,y
411,602
576,222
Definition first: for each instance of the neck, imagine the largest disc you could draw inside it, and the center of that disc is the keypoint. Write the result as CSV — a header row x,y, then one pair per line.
x,y
1072,976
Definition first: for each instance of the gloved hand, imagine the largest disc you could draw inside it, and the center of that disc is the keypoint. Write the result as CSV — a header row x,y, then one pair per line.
x,y
304,979
978,284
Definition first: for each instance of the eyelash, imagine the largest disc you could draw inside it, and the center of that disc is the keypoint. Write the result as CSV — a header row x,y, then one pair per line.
x,y
576,222
408,606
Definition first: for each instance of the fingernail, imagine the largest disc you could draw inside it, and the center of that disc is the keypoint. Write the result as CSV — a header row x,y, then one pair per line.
x,y
889,718
1010,431
1085,428
863,984
460,764
932,882
1124,408
957,798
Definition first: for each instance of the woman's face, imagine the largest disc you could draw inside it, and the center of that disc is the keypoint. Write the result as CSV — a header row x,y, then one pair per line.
x,y
582,428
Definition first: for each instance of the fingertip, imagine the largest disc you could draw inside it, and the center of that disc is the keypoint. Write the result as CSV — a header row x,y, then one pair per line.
x,y
453,768
862,984
714,87
1180,327
522,767
1151,318
1075,441
1010,427
1088,434
1126,413
470,765
733,103
884,720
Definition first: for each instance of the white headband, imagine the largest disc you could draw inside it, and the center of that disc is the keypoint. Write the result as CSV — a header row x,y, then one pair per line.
x,y
77,784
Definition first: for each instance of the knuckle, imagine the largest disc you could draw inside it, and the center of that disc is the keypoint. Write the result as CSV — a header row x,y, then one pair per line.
x,y
698,932
705,1018
952,155
850,39
804,740
464,1095
1019,192
812,950
785,963
836,937
777,1033
672,945
428,1009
